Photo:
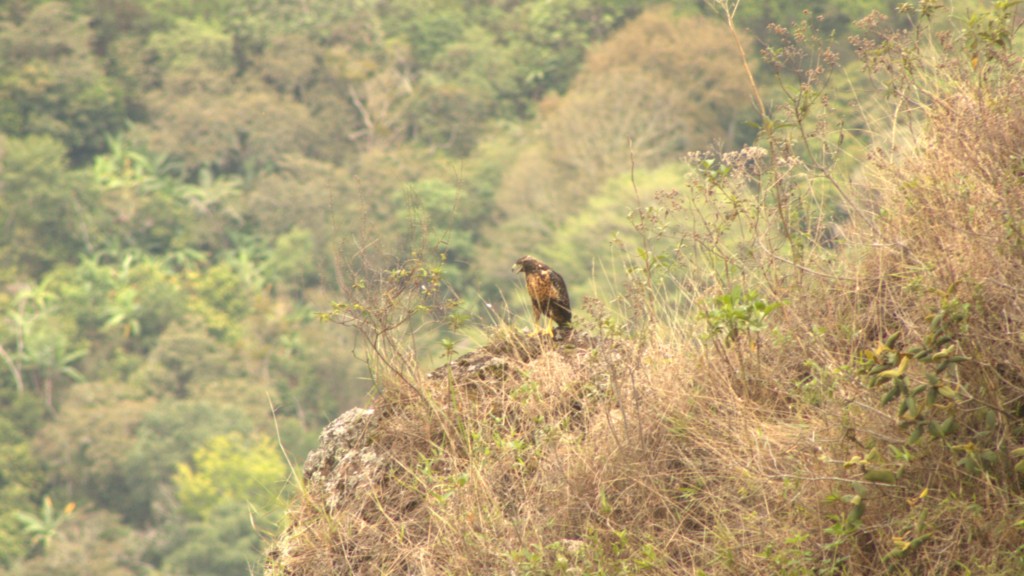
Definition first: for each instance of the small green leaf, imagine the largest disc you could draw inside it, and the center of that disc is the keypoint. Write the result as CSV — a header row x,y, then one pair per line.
x,y
946,426
915,435
890,395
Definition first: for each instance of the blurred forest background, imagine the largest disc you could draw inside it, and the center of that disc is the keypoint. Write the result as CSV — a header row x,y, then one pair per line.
x,y
186,184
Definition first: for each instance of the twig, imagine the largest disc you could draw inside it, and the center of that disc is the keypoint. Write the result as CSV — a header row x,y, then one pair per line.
x,y
743,53
14,370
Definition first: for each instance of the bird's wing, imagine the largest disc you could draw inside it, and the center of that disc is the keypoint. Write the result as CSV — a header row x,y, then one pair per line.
x,y
559,291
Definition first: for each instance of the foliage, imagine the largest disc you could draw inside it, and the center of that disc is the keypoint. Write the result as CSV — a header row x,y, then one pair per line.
x,y
19,489
174,179
388,306
676,76
222,544
738,313
54,84
43,223
41,528
228,470
89,542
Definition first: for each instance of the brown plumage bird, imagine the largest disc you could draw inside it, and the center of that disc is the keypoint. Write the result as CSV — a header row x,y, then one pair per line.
x,y
548,292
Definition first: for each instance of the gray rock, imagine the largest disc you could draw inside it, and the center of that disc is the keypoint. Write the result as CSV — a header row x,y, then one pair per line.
x,y
345,460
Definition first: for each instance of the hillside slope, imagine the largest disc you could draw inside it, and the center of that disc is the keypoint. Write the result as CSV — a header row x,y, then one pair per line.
x,y
537,456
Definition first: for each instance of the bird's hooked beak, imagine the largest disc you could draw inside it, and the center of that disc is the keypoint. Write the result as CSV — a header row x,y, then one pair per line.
x,y
517,267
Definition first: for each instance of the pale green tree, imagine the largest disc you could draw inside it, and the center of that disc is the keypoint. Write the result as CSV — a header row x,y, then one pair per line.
x,y
232,469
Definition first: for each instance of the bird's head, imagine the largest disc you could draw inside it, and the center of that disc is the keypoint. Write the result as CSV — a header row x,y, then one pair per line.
x,y
527,264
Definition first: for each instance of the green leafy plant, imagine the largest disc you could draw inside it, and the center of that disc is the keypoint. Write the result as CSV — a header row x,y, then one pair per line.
x,y
43,527
738,313
929,406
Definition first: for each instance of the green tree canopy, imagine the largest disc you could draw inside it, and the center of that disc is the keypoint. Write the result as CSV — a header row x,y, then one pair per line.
x,y
51,82
659,86
229,469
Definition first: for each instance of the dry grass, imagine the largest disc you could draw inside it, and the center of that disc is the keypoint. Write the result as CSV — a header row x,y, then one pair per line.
x,y
587,457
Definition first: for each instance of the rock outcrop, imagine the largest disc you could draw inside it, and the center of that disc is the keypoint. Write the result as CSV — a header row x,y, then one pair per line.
x,y
364,454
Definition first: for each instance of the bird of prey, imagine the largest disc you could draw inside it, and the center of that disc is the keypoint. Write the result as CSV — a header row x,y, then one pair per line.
x,y
548,293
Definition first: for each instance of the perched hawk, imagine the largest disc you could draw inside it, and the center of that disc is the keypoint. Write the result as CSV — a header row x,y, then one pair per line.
x,y
548,293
